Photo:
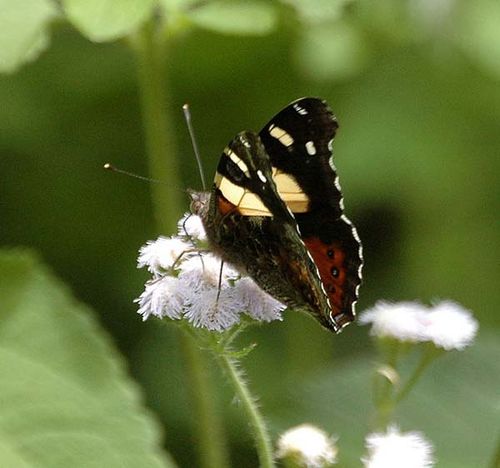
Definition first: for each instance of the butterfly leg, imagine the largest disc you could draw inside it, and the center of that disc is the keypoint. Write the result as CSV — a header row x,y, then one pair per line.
x,y
219,286
188,251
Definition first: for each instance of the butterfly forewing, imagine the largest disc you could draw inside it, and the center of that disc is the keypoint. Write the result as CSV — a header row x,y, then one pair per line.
x,y
244,178
299,142
304,154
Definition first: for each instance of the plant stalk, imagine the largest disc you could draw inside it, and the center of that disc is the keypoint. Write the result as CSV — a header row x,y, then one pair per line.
x,y
213,449
151,51
427,357
383,386
150,47
260,432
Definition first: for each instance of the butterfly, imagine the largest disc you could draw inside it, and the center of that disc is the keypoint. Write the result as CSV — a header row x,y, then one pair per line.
x,y
275,212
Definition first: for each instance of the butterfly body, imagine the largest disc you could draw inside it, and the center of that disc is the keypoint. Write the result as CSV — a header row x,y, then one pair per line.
x,y
275,212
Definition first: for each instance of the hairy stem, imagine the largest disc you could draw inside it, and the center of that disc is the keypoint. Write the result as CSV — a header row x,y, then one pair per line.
x,y
213,448
260,432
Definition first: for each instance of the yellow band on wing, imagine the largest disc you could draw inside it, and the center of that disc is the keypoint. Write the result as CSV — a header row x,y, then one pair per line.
x,y
249,204
290,192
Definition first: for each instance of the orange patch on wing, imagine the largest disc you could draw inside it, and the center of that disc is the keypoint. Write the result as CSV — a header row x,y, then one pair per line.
x,y
329,258
224,205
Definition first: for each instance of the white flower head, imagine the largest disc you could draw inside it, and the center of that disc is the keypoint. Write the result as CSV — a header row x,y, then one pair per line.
x,y
207,310
450,326
394,449
162,297
191,225
205,270
307,446
198,290
258,304
403,320
160,255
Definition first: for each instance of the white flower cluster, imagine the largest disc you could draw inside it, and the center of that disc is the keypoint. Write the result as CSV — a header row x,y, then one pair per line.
x,y
394,449
447,324
307,446
185,283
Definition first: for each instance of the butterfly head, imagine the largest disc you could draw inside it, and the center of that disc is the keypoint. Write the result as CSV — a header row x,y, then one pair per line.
x,y
200,202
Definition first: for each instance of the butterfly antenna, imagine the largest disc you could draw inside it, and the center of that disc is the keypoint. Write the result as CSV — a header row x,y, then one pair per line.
x,y
110,167
187,116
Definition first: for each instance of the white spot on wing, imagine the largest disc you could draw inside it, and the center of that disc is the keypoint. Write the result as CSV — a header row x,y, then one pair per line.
x,y
261,176
332,165
360,248
337,183
299,109
310,148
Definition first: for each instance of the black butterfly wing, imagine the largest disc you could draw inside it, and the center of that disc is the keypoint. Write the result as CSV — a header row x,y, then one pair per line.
x,y
299,142
251,227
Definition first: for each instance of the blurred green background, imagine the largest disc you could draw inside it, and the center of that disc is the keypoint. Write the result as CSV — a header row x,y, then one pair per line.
x,y
415,87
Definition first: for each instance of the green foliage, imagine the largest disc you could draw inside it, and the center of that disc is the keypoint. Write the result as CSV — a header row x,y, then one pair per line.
x,y
327,52
481,35
244,18
23,31
106,20
456,405
66,400
415,88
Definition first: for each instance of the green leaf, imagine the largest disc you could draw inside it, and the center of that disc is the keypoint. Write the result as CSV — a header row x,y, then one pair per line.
x,y
456,405
319,11
66,399
23,31
177,5
241,18
106,20
480,34
331,51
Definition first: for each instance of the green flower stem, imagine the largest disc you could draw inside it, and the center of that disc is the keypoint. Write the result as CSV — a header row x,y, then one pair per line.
x,y
150,47
430,353
383,394
260,433
496,457
387,399
213,448
151,51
